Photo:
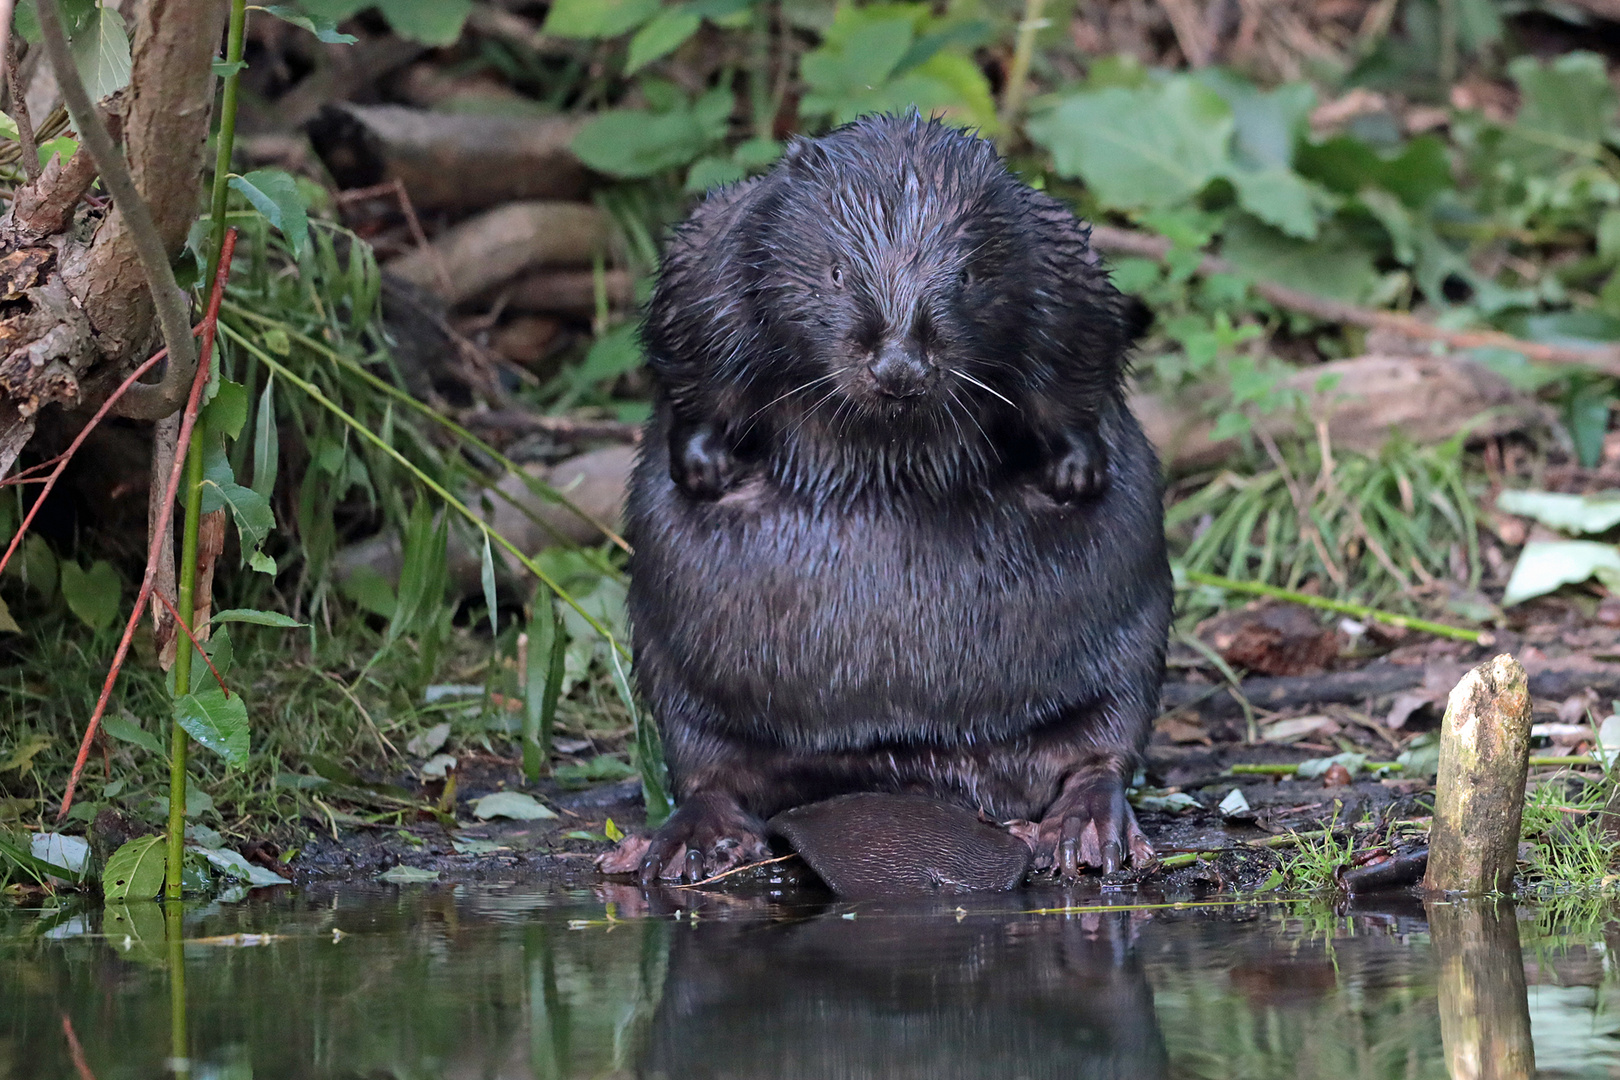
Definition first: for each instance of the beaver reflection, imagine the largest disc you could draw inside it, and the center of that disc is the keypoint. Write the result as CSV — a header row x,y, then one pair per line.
x,y
902,993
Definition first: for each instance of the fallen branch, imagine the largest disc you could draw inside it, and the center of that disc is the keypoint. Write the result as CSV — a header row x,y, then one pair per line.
x,y
1147,246
502,243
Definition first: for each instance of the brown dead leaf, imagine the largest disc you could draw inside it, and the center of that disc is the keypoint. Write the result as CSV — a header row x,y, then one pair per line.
x,y
1272,639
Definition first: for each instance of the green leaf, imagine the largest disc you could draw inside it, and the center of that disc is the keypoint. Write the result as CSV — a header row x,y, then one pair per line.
x,y
666,32
8,624
251,512
408,875
256,617
101,51
36,564
323,27
125,731
1147,148
432,22
1277,196
266,442
597,18
542,681
1333,265
1269,124
1569,96
234,865
849,63
611,355
370,591
217,722
275,194
423,574
93,594
486,574
224,69
226,413
712,172
649,751
1545,565
511,804
1594,513
221,655
135,870
635,143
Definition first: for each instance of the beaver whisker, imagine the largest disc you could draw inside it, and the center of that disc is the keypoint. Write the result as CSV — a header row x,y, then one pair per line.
x,y
982,386
790,393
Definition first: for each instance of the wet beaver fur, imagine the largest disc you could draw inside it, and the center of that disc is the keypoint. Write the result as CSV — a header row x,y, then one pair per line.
x,y
895,528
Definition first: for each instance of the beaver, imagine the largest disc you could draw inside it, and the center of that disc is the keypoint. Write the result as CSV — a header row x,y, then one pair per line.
x,y
895,528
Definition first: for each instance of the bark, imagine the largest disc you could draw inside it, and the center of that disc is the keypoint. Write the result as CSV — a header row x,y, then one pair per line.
x,y
76,316
569,292
1479,794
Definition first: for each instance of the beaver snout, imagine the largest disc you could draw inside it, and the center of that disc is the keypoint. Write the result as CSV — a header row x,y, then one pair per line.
x,y
900,369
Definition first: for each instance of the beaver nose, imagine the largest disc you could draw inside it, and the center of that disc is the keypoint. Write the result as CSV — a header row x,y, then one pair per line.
x,y
900,369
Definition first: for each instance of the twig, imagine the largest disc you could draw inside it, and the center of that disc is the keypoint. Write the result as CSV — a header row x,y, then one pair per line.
x,y
162,398
736,870
19,106
1148,246
396,188
181,623
75,1051
187,426
1360,611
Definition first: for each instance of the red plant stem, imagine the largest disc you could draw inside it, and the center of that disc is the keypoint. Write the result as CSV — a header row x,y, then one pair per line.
x,y
67,455
81,1066
187,424
181,623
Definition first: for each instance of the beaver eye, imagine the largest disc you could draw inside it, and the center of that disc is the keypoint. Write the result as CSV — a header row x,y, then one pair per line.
x,y
837,274
965,277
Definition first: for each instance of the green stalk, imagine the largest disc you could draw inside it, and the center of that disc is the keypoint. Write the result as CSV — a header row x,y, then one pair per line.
x,y
179,741
227,138
1360,611
179,1040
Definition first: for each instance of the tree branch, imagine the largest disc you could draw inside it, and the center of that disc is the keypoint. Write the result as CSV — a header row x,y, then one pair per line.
x,y
144,401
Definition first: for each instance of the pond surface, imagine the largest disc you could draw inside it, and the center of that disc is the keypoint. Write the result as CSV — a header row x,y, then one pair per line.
x,y
490,981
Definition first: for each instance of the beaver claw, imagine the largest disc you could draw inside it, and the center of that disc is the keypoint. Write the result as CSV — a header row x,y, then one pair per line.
x,y
708,835
701,464
1090,825
1080,471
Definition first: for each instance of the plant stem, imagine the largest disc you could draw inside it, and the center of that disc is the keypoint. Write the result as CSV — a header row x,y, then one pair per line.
x,y
226,142
1360,611
1012,98
178,740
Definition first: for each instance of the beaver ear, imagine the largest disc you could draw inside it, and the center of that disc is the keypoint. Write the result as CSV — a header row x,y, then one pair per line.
x,y
804,156
1136,316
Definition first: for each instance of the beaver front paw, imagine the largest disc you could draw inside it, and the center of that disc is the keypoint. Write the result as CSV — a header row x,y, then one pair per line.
x,y
708,835
700,462
1078,471
1092,825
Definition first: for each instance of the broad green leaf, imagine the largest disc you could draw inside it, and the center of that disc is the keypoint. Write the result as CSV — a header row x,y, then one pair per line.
x,y
1545,565
62,852
226,413
36,564
611,355
542,681
251,512
408,875
217,722
92,595
666,32
1277,196
849,64
486,576
432,22
258,618
135,870
324,27
1594,513
370,590
275,194
101,51
221,655
1333,265
8,624
1569,96
1153,147
597,18
712,172
233,865
635,142
511,804
125,731
1346,165
1269,124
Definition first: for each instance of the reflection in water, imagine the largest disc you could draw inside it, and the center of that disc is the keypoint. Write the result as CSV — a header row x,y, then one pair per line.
x,y
503,982
903,994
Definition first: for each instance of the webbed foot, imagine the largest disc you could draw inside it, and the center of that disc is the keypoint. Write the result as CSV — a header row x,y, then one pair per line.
x,y
1090,825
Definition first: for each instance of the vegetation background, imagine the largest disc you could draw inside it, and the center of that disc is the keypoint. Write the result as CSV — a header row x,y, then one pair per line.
x,y
1380,238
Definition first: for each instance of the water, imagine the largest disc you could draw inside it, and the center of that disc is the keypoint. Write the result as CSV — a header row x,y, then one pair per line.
x,y
489,981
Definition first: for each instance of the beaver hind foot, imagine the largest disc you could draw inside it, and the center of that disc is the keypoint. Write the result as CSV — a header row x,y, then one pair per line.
x,y
876,844
1090,824
710,834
